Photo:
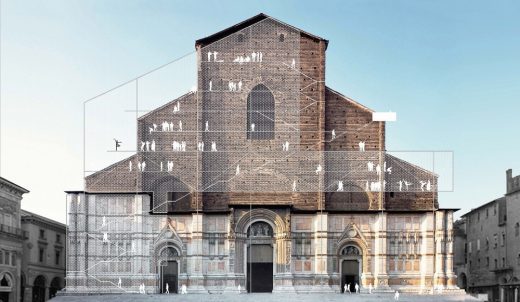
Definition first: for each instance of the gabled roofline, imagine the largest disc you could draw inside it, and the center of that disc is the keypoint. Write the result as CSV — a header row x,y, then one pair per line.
x,y
142,117
108,168
246,23
349,99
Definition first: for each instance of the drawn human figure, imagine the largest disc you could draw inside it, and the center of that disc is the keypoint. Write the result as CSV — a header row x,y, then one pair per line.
x,y
105,237
422,184
178,106
396,295
142,145
169,166
253,127
104,221
247,59
147,146
207,126
183,146
144,289
209,56
378,169
150,129
285,146
139,166
340,186
428,186
400,185
240,85
407,184
261,57
318,169
152,146
143,166
370,166
183,289
230,86
239,288
175,109
237,170
333,134
349,289
170,127
130,166
215,56
293,64
345,288
161,166
356,287
294,186
253,56
167,288
119,283
361,146
389,170
154,127
213,146
370,288
180,125
210,85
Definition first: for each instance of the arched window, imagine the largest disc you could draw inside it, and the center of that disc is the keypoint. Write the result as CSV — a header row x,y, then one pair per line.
x,y
260,113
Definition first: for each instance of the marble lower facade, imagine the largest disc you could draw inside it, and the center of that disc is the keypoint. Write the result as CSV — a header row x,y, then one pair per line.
x,y
116,246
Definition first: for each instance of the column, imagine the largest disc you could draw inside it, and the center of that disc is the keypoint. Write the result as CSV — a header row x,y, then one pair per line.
x,y
196,284
380,255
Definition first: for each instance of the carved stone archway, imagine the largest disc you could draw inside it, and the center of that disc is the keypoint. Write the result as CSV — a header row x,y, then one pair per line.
x,y
281,243
353,237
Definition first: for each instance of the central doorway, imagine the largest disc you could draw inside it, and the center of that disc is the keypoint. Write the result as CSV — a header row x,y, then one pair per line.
x,y
169,270
260,258
169,276
350,268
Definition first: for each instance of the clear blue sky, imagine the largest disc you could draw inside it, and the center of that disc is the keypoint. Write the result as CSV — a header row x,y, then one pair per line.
x,y
450,69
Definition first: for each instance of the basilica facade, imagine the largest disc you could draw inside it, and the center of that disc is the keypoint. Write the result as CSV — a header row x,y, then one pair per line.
x,y
264,179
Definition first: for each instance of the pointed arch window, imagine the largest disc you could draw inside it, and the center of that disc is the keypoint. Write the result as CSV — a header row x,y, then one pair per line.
x,y
260,113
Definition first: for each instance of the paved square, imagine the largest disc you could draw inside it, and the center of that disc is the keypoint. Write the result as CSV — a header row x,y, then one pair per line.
x,y
257,297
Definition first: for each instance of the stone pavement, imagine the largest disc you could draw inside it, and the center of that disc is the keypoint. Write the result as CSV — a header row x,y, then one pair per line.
x,y
258,297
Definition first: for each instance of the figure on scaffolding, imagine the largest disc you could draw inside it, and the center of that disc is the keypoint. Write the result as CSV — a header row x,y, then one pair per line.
x,y
340,186
333,134
361,146
213,146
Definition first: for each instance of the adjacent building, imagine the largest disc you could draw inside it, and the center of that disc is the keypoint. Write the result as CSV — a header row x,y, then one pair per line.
x,y
11,240
32,250
43,265
264,178
487,246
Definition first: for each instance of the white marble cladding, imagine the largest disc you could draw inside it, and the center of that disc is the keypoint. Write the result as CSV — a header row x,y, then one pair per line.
x,y
113,236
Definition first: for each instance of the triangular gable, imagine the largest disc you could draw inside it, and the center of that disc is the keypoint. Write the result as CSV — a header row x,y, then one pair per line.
x,y
168,233
246,23
351,232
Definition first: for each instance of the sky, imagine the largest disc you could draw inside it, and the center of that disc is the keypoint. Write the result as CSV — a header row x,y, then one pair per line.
x,y
450,69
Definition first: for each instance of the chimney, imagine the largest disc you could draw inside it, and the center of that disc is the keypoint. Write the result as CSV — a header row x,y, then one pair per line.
x,y
509,180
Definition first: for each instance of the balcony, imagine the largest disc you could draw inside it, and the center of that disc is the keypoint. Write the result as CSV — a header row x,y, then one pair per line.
x,y
7,229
